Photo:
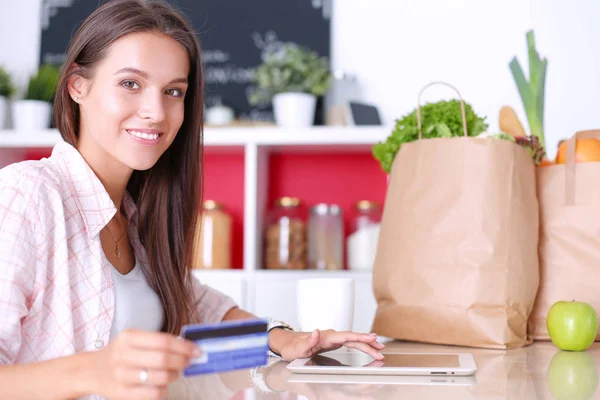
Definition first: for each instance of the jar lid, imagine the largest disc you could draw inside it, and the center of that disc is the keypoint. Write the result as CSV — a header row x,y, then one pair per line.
x,y
288,202
326,209
367,205
212,205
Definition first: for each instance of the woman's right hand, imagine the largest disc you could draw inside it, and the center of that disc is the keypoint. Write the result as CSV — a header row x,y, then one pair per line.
x,y
119,369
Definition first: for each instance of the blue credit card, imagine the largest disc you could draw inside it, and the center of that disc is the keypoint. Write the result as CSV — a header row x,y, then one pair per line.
x,y
228,345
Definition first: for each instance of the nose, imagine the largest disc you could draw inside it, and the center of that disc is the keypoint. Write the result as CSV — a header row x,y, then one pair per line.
x,y
153,107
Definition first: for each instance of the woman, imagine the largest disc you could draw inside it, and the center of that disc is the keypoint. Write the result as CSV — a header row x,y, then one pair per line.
x,y
97,237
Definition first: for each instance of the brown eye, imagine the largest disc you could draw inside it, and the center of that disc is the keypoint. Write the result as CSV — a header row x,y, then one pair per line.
x,y
175,92
130,85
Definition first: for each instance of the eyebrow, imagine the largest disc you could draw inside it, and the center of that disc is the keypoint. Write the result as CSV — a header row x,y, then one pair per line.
x,y
145,75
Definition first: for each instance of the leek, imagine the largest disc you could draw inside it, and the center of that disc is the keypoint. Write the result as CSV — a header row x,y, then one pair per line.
x,y
532,91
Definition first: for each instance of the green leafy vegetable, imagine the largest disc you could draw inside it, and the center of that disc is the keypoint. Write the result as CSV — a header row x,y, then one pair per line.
x,y
532,91
441,119
534,146
530,143
504,136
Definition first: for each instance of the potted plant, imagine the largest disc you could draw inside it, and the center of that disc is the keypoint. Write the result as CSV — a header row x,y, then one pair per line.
x,y
291,78
7,89
34,111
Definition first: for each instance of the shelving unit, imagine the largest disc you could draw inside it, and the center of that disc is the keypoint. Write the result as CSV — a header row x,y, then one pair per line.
x,y
252,287
215,138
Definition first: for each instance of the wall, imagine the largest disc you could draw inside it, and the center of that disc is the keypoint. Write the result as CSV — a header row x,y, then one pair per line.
x,y
397,46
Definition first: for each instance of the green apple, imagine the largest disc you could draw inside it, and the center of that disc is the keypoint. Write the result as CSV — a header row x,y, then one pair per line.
x,y
572,325
572,376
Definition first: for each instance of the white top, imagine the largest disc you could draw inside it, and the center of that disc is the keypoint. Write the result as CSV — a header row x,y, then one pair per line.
x,y
136,304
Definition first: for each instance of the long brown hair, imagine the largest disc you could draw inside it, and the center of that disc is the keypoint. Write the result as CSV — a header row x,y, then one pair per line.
x,y
168,194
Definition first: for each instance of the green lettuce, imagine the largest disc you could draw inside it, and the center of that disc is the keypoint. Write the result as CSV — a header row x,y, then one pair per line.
x,y
442,119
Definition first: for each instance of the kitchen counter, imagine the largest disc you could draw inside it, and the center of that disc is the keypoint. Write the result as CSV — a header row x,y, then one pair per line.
x,y
538,371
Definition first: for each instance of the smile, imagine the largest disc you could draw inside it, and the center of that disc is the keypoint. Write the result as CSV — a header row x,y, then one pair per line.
x,y
144,136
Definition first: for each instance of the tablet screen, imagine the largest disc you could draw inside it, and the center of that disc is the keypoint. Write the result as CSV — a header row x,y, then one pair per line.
x,y
390,360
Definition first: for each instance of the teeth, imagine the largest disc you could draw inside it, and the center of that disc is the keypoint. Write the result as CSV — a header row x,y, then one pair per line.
x,y
142,135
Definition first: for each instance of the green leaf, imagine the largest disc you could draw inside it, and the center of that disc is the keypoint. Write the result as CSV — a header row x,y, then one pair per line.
x,y
539,109
42,86
443,130
534,60
7,88
522,84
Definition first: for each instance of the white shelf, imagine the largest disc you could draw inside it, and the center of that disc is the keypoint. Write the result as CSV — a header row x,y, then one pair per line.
x,y
22,140
270,137
264,274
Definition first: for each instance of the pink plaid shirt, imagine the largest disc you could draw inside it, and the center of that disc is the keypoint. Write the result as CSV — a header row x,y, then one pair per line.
x,y
56,290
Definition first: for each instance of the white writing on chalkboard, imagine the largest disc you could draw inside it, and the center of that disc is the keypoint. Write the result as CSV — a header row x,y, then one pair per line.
x,y
269,45
257,115
50,9
54,58
215,56
227,74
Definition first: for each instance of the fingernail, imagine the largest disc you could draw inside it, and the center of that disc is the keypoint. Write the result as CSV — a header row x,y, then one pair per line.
x,y
314,334
380,355
373,334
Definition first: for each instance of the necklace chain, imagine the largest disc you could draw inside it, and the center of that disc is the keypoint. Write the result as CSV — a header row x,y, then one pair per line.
x,y
98,343
117,249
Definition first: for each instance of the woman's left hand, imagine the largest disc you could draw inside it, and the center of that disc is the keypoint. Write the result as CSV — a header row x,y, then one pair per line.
x,y
306,344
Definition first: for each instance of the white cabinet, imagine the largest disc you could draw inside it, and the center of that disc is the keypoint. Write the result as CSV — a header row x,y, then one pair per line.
x,y
232,283
273,293
364,304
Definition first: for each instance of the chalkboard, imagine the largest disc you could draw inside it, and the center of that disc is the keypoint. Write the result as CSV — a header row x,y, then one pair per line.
x,y
235,35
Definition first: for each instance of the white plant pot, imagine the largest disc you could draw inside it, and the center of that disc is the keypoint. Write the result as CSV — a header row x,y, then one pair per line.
x,y
294,110
3,112
31,115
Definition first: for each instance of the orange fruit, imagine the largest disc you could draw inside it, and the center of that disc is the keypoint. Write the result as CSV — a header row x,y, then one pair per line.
x,y
586,150
546,163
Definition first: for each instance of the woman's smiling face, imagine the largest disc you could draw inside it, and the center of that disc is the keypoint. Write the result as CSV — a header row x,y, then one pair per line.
x,y
133,105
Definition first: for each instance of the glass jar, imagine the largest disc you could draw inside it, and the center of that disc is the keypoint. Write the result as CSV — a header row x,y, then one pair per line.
x,y
285,235
212,247
326,237
361,244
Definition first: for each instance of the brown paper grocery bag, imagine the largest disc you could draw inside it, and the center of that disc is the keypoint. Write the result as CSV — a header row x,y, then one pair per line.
x,y
457,257
569,197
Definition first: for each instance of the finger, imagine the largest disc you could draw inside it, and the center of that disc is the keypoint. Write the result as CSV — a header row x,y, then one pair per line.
x,y
377,345
312,345
365,348
315,338
341,337
158,341
308,345
375,363
154,360
147,393
156,377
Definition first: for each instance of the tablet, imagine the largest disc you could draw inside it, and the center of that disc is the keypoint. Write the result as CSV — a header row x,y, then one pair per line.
x,y
358,363
428,380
